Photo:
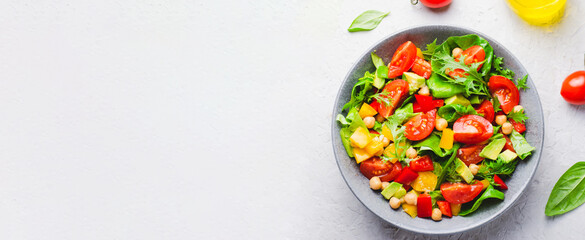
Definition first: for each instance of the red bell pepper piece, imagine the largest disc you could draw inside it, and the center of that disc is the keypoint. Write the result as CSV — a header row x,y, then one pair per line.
x,y
519,127
424,206
508,145
426,103
406,187
374,132
422,164
500,182
406,176
445,208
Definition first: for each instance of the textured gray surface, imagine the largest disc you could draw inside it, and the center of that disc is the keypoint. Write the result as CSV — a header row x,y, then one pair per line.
x,y
211,119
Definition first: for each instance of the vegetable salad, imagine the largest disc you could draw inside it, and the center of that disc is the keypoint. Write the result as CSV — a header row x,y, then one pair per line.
x,y
437,131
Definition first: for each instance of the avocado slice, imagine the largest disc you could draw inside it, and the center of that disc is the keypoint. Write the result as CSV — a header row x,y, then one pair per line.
x,y
463,171
378,82
474,99
415,81
507,156
493,149
457,99
400,193
389,191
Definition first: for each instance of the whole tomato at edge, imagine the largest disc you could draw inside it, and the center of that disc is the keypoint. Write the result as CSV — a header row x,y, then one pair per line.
x,y
435,3
573,90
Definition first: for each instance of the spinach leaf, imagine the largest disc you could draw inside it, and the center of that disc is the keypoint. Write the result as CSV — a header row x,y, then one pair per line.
x,y
452,112
443,89
432,143
569,191
490,192
377,60
366,21
360,90
522,148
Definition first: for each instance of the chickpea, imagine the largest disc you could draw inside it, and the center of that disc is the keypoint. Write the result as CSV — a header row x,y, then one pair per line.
x,y
518,108
411,152
424,91
437,214
507,128
394,203
441,124
410,198
380,118
375,183
501,119
457,52
473,168
385,185
370,122
385,141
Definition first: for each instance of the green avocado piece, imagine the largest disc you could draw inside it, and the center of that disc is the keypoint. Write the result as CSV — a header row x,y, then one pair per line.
x,y
493,149
400,193
378,82
507,156
440,88
389,191
474,99
415,81
457,99
463,171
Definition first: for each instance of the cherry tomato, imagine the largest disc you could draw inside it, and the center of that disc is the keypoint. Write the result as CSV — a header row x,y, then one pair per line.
x,y
422,164
487,109
500,182
402,60
472,129
470,154
435,3
445,208
474,54
395,92
422,68
508,145
506,92
573,90
457,73
459,193
376,167
519,127
421,126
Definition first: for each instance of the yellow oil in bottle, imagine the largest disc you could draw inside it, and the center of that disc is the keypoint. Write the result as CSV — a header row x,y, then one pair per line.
x,y
539,12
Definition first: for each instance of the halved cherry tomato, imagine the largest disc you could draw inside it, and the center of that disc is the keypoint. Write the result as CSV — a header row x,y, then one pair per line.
x,y
445,208
376,167
573,90
487,109
421,126
472,129
422,164
402,60
470,154
435,3
406,176
425,103
506,92
508,145
519,127
500,182
458,193
474,54
422,68
395,92
456,73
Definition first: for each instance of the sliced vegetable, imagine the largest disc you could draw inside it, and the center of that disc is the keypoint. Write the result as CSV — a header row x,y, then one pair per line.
x,y
470,154
421,126
445,208
460,192
422,68
494,148
447,139
402,60
426,181
360,138
490,192
523,149
472,129
424,206
367,111
500,183
392,188
410,209
391,97
506,92
376,167
486,109
422,164
406,176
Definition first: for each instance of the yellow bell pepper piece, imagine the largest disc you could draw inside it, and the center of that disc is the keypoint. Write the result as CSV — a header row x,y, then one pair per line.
x,y
374,146
367,111
455,209
390,151
447,139
360,138
485,183
426,181
360,155
419,53
410,209
387,133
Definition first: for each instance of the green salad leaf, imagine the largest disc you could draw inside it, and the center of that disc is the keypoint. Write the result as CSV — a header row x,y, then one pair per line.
x,y
452,112
431,48
521,83
490,192
432,143
521,146
447,167
366,21
498,61
360,90
569,191
350,123
441,88
377,60
489,168
519,116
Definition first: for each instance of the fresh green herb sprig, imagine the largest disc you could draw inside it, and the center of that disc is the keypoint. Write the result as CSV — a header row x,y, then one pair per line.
x,y
472,80
519,116
521,83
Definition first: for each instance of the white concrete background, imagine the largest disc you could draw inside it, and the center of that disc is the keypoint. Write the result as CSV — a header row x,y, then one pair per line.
x,y
211,119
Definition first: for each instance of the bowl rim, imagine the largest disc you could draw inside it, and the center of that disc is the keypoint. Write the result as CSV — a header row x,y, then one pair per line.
x,y
466,227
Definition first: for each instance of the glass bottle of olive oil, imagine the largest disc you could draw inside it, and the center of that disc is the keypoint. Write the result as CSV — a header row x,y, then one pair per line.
x,y
539,12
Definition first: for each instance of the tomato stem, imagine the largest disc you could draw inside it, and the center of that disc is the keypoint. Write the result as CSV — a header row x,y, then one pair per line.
x,y
413,2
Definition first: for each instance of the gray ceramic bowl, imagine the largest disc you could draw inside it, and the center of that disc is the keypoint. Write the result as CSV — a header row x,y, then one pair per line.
x,y
489,210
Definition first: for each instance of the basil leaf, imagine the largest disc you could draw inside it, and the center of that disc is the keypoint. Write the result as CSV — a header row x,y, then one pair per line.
x,y
377,60
366,21
490,192
569,191
452,112
522,148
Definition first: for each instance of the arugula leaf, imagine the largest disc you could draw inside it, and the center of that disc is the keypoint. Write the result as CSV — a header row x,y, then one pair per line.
x,y
496,104
473,81
569,191
521,146
490,168
377,60
447,167
498,61
431,48
519,117
366,21
490,192
452,112
521,83
360,90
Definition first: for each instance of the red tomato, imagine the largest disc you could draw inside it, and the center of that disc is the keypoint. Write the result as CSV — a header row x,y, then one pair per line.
x,y
487,109
406,176
474,54
519,127
445,208
422,164
508,145
459,193
402,60
422,68
457,73
470,154
506,92
472,129
573,90
376,167
421,126
435,3
395,91
500,182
